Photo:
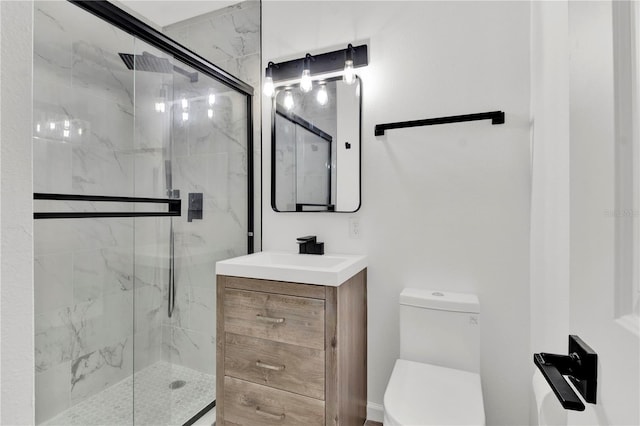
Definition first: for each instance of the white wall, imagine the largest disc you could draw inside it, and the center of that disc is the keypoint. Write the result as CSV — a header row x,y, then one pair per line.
x,y
443,207
16,227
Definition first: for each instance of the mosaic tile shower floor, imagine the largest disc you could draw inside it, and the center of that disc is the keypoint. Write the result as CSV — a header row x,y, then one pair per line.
x,y
155,403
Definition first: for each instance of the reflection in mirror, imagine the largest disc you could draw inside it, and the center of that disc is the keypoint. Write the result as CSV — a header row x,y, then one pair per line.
x,y
315,152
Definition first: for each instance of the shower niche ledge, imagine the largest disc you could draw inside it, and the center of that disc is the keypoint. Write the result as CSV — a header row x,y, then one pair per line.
x,y
291,351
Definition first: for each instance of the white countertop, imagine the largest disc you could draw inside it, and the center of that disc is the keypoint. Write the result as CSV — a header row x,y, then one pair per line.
x,y
327,269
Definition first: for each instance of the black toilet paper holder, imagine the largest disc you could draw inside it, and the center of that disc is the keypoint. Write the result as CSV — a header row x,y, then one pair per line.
x,y
581,367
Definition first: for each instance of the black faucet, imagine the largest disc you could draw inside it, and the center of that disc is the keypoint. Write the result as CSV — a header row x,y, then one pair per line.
x,y
309,245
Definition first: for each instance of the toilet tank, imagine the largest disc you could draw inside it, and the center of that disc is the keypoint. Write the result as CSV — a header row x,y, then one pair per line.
x,y
440,328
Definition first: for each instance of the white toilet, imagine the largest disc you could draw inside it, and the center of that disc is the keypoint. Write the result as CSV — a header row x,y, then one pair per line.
x,y
436,381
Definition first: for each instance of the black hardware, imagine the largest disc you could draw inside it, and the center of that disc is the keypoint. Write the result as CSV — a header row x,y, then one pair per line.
x,y
347,145
322,63
496,117
173,206
581,366
309,245
195,206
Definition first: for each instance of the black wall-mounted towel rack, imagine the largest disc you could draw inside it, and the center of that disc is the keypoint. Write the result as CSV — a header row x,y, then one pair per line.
x,y
496,117
174,206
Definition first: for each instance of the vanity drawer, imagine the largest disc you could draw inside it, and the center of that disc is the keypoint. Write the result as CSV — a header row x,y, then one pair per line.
x,y
287,319
278,365
251,404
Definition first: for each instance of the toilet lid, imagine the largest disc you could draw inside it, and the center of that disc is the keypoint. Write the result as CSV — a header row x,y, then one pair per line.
x,y
424,394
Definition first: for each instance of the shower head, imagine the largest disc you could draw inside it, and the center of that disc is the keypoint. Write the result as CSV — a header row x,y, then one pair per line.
x,y
151,63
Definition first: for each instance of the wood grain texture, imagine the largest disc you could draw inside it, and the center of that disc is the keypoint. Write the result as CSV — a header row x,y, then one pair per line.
x,y
277,287
333,324
331,357
302,318
220,288
352,350
302,368
251,404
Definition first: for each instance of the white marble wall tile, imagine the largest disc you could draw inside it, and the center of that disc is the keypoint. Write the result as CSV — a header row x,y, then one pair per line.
x,y
189,348
202,308
148,346
52,391
53,287
94,371
88,275
223,34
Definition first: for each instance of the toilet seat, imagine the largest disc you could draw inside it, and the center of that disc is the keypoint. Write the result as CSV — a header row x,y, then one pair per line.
x,y
425,394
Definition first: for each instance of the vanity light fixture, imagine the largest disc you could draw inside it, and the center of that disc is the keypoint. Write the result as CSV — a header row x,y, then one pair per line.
x,y
305,80
322,96
343,60
349,75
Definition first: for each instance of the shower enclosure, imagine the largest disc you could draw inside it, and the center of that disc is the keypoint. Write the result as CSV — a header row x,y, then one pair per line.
x,y
142,181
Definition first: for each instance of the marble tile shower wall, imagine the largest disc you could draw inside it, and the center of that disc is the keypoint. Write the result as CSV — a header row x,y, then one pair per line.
x,y
212,159
230,38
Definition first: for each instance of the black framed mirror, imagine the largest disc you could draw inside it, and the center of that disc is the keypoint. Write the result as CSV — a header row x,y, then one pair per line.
x,y
315,147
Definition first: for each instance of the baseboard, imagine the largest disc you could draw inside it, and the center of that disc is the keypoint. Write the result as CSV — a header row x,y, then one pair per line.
x,y
375,412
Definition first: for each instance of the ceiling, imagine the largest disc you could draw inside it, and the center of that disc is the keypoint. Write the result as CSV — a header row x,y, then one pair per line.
x,y
167,12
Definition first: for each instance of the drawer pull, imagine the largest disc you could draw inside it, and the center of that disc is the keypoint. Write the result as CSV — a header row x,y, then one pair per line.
x,y
269,366
270,320
269,415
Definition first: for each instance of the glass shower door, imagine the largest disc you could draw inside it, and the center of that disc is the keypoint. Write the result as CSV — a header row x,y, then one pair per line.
x,y
83,269
191,143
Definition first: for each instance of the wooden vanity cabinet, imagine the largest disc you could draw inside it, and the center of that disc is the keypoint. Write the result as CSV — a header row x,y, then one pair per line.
x,y
290,353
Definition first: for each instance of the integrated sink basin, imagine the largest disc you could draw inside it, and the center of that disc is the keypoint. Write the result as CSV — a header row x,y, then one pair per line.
x,y
327,269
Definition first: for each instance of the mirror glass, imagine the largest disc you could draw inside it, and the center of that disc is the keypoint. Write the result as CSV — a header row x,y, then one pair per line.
x,y
315,147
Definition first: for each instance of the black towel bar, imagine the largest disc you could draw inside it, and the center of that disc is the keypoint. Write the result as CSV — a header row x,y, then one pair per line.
x,y
496,117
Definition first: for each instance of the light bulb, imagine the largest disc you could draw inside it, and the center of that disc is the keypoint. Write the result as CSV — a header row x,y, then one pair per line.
x,y
185,103
210,113
268,88
288,100
212,99
349,75
322,97
185,116
65,133
66,124
38,127
52,125
305,81
80,131
160,106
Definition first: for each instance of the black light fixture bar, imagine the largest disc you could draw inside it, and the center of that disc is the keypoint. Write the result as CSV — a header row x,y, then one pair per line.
x,y
496,117
174,206
322,63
